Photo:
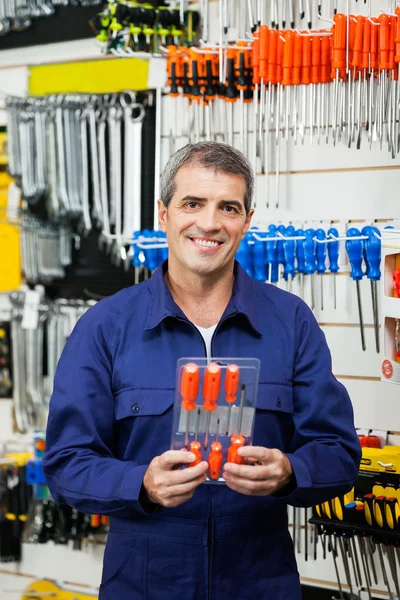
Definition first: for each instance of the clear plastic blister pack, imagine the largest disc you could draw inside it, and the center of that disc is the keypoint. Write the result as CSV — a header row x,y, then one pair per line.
x,y
214,410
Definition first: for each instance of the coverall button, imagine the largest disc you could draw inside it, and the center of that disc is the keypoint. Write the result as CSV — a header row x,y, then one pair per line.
x,y
135,408
279,403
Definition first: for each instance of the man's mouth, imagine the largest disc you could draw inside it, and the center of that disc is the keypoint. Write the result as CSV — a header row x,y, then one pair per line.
x,y
205,243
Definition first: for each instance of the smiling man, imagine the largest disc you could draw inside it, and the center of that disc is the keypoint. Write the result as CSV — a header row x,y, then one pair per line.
x,y
110,420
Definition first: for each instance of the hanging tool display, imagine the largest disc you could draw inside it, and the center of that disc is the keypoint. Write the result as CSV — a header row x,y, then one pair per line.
x,y
214,410
15,497
39,331
28,513
337,85
363,527
123,27
303,254
18,16
78,161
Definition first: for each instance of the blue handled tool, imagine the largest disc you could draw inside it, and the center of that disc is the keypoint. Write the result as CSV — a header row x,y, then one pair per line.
x,y
333,253
138,257
259,252
301,260
321,259
289,249
310,261
153,255
355,253
281,251
272,256
372,259
150,254
163,252
244,255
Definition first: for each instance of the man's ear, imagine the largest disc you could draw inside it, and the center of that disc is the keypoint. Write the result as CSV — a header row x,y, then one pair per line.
x,y
162,215
247,222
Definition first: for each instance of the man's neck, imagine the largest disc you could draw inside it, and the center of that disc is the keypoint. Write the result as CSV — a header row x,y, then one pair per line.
x,y
202,299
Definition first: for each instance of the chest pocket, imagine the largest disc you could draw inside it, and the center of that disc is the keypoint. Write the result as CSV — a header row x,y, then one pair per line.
x,y
143,423
274,416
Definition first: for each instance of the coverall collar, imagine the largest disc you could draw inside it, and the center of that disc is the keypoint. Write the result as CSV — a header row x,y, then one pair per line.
x,y
242,301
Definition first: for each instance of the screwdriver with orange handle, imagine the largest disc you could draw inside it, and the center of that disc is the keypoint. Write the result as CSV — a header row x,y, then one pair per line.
x,y
365,66
173,63
384,49
296,79
326,67
339,41
189,392
266,35
211,390
195,446
215,457
237,439
315,80
305,81
230,90
287,78
374,70
397,60
242,70
231,387
255,63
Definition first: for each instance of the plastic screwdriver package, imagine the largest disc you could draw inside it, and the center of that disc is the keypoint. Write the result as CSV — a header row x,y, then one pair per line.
x,y
214,410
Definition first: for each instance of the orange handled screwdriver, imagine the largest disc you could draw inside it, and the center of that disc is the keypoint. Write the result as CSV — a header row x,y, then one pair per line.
x,y
338,63
211,389
237,440
231,386
189,392
195,447
215,458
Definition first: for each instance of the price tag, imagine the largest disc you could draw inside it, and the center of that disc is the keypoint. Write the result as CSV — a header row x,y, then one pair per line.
x,y
13,201
30,315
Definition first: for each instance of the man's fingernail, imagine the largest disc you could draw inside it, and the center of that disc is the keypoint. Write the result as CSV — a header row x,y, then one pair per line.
x,y
191,457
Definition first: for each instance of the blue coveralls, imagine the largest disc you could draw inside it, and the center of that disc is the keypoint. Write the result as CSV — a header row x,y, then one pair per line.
x,y
111,414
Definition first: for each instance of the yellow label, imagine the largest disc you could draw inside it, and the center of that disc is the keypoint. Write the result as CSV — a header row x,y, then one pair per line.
x,y
10,265
92,77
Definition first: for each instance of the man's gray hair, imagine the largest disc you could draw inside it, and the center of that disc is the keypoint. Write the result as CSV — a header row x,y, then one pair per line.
x,y
210,155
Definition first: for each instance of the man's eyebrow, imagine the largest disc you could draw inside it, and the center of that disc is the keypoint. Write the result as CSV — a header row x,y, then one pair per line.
x,y
236,203
193,199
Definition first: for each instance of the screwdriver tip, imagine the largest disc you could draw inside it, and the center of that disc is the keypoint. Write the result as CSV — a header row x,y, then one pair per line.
x,y
303,14
309,25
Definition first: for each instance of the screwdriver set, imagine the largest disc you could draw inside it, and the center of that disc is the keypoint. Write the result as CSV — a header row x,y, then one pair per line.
x,y
369,515
214,410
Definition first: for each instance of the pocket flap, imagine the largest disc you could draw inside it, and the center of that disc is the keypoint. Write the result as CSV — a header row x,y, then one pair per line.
x,y
142,403
275,396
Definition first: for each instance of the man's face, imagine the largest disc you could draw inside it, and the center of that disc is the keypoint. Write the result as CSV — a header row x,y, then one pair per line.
x,y
206,219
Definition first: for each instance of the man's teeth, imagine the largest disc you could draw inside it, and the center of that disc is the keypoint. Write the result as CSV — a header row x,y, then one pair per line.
x,y
206,243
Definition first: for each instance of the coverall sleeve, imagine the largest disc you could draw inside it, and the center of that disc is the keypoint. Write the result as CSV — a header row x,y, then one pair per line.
x,y
325,452
79,465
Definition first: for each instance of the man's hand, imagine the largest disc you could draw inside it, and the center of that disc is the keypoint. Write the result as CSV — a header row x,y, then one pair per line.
x,y
265,472
168,485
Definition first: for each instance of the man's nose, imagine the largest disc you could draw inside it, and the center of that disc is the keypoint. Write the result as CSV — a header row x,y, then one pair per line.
x,y
209,219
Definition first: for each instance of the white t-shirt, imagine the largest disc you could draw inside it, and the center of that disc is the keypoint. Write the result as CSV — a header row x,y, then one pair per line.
x,y
207,333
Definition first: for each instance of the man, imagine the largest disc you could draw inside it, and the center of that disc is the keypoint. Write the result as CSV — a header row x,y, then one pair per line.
x,y
110,420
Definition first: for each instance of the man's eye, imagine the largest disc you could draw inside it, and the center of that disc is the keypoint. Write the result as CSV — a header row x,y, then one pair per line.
x,y
192,204
229,208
